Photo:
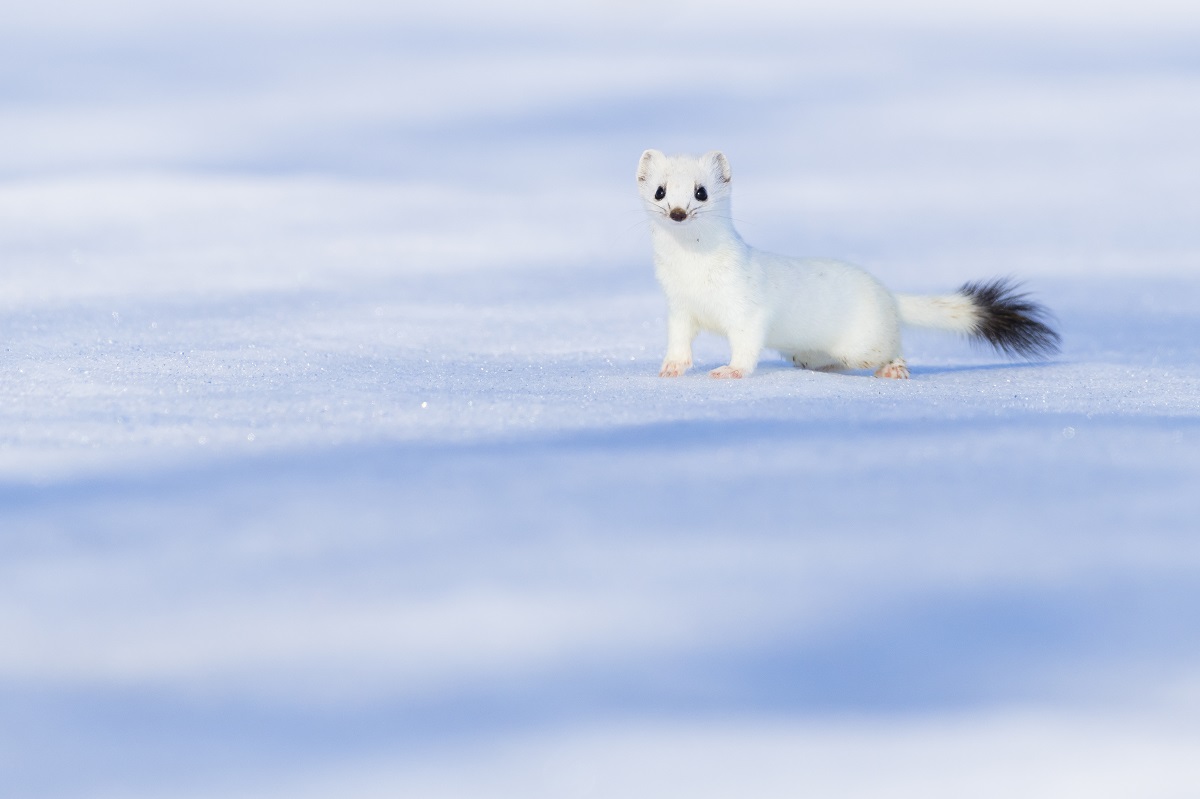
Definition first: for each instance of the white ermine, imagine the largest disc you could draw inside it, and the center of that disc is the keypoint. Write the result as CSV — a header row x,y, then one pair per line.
x,y
822,314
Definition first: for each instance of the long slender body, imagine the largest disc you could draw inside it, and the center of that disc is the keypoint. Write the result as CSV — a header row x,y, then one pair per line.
x,y
821,313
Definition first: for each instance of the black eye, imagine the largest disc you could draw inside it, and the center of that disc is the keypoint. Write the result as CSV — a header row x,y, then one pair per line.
x,y
662,192
701,194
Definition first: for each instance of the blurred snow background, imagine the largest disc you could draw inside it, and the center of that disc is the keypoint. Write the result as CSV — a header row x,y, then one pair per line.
x,y
334,463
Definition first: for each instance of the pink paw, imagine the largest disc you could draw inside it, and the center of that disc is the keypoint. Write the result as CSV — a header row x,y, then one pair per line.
x,y
897,370
674,368
727,373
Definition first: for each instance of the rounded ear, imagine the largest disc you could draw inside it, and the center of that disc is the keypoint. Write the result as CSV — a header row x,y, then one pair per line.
x,y
648,159
719,163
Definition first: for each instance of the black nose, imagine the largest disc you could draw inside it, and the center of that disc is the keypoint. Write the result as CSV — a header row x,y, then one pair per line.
x,y
678,214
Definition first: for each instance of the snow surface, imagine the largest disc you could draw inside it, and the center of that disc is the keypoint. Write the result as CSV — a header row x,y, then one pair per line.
x,y
333,461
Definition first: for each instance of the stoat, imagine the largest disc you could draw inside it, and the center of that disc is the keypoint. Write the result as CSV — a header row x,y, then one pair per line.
x,y
822,314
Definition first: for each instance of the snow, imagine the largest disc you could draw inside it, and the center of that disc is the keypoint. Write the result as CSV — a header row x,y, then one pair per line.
x,y
333,460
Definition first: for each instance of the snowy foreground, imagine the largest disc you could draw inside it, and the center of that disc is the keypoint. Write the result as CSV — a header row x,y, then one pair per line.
x,y
326,472
443,537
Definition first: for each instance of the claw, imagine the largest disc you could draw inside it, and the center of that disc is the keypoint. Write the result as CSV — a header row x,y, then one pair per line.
x,y
673,368
897,370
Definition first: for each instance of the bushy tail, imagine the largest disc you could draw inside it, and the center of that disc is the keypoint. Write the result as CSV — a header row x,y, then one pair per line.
x,y
996,312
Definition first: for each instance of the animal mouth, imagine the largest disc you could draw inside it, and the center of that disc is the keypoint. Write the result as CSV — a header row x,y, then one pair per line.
x,y
678,214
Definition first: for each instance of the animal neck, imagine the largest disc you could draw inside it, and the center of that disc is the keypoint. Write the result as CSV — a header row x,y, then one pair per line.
x,y
699,238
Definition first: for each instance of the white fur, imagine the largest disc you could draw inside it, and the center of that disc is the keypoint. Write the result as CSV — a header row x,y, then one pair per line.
x,y
823,314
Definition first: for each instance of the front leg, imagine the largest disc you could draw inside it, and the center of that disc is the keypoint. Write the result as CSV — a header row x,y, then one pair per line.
x,y
681,331
745,346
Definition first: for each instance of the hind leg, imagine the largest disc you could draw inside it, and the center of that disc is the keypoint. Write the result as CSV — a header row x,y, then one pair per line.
x,y
896,369
881,355
875,342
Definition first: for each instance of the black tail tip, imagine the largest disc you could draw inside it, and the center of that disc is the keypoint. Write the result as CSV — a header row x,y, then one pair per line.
x,y
1010,321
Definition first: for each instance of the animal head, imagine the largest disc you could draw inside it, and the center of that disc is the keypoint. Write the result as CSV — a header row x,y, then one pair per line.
x,y
680,190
